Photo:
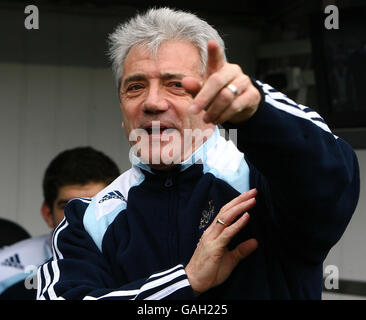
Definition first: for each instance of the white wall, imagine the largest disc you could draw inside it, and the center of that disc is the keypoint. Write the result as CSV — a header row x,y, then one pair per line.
x,y
45,110
349,254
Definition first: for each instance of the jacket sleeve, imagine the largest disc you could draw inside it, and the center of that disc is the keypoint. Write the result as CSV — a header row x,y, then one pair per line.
x,y
309,177
78,270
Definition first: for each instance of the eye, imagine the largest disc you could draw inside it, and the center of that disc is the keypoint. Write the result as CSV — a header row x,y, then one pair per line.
x,y
135,87
176,84
176,87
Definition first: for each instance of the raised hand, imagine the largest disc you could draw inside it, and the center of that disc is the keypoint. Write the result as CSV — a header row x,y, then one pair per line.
x,y
212,263
227,94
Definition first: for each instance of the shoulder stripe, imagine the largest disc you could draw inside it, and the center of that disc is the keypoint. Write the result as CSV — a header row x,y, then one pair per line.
x,y
169,290
156,283
56,252
161,281
56,277
40,280
285,101
318,119
155,275
47,280
282,102
85,200
51,274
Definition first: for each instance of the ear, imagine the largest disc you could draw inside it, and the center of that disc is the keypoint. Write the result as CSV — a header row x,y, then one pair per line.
x,y
47,215
123,125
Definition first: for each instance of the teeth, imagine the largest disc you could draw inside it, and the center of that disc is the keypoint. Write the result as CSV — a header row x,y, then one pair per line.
x,y
150,130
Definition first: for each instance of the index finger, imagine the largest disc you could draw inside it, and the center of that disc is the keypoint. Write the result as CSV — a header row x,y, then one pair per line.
x,y
215,61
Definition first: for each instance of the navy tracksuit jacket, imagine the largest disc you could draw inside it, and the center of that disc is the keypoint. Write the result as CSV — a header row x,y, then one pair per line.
x,y
134,238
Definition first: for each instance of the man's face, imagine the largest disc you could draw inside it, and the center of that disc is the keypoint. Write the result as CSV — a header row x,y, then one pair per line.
x,y
152,95
65,194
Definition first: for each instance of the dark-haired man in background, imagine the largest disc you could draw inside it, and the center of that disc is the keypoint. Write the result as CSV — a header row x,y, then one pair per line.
x,y
75,173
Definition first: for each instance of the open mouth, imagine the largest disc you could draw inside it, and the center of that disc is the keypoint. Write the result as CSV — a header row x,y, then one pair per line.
x,y
155,129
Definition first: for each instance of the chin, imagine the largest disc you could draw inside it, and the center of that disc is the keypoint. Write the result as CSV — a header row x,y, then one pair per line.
x,y
168,156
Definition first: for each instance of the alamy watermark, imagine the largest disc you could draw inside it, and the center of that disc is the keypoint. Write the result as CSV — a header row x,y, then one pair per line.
x,y
332,20
166,146
331,277
31,22
30,281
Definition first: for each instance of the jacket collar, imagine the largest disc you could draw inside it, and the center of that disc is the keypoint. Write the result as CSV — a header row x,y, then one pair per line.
x,y
199,156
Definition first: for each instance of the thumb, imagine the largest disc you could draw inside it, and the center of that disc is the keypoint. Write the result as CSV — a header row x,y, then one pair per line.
x,y
243,250
192,85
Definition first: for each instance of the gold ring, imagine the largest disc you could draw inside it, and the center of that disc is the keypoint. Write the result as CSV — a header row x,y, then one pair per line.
x,y
221,222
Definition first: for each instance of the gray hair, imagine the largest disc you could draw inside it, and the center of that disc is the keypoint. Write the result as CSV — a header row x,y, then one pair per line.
x,y
155,26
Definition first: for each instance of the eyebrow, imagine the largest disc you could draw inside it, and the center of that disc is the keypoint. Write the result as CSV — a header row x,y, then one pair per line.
x,y
142,77
168,76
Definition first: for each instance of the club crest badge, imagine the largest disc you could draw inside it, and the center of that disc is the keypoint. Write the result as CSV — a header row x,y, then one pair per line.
x,y
207,215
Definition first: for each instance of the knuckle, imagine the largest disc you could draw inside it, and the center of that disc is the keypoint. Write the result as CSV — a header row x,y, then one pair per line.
x,y
256,93
217,80
226,96
204,236
200,101
236,68
228,233
246,77
237,107
245,81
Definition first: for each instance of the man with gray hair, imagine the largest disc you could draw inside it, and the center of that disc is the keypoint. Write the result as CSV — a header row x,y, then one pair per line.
x,y
176,225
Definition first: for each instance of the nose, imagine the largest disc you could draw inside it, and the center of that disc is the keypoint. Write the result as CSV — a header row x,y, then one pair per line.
x,y
155,102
